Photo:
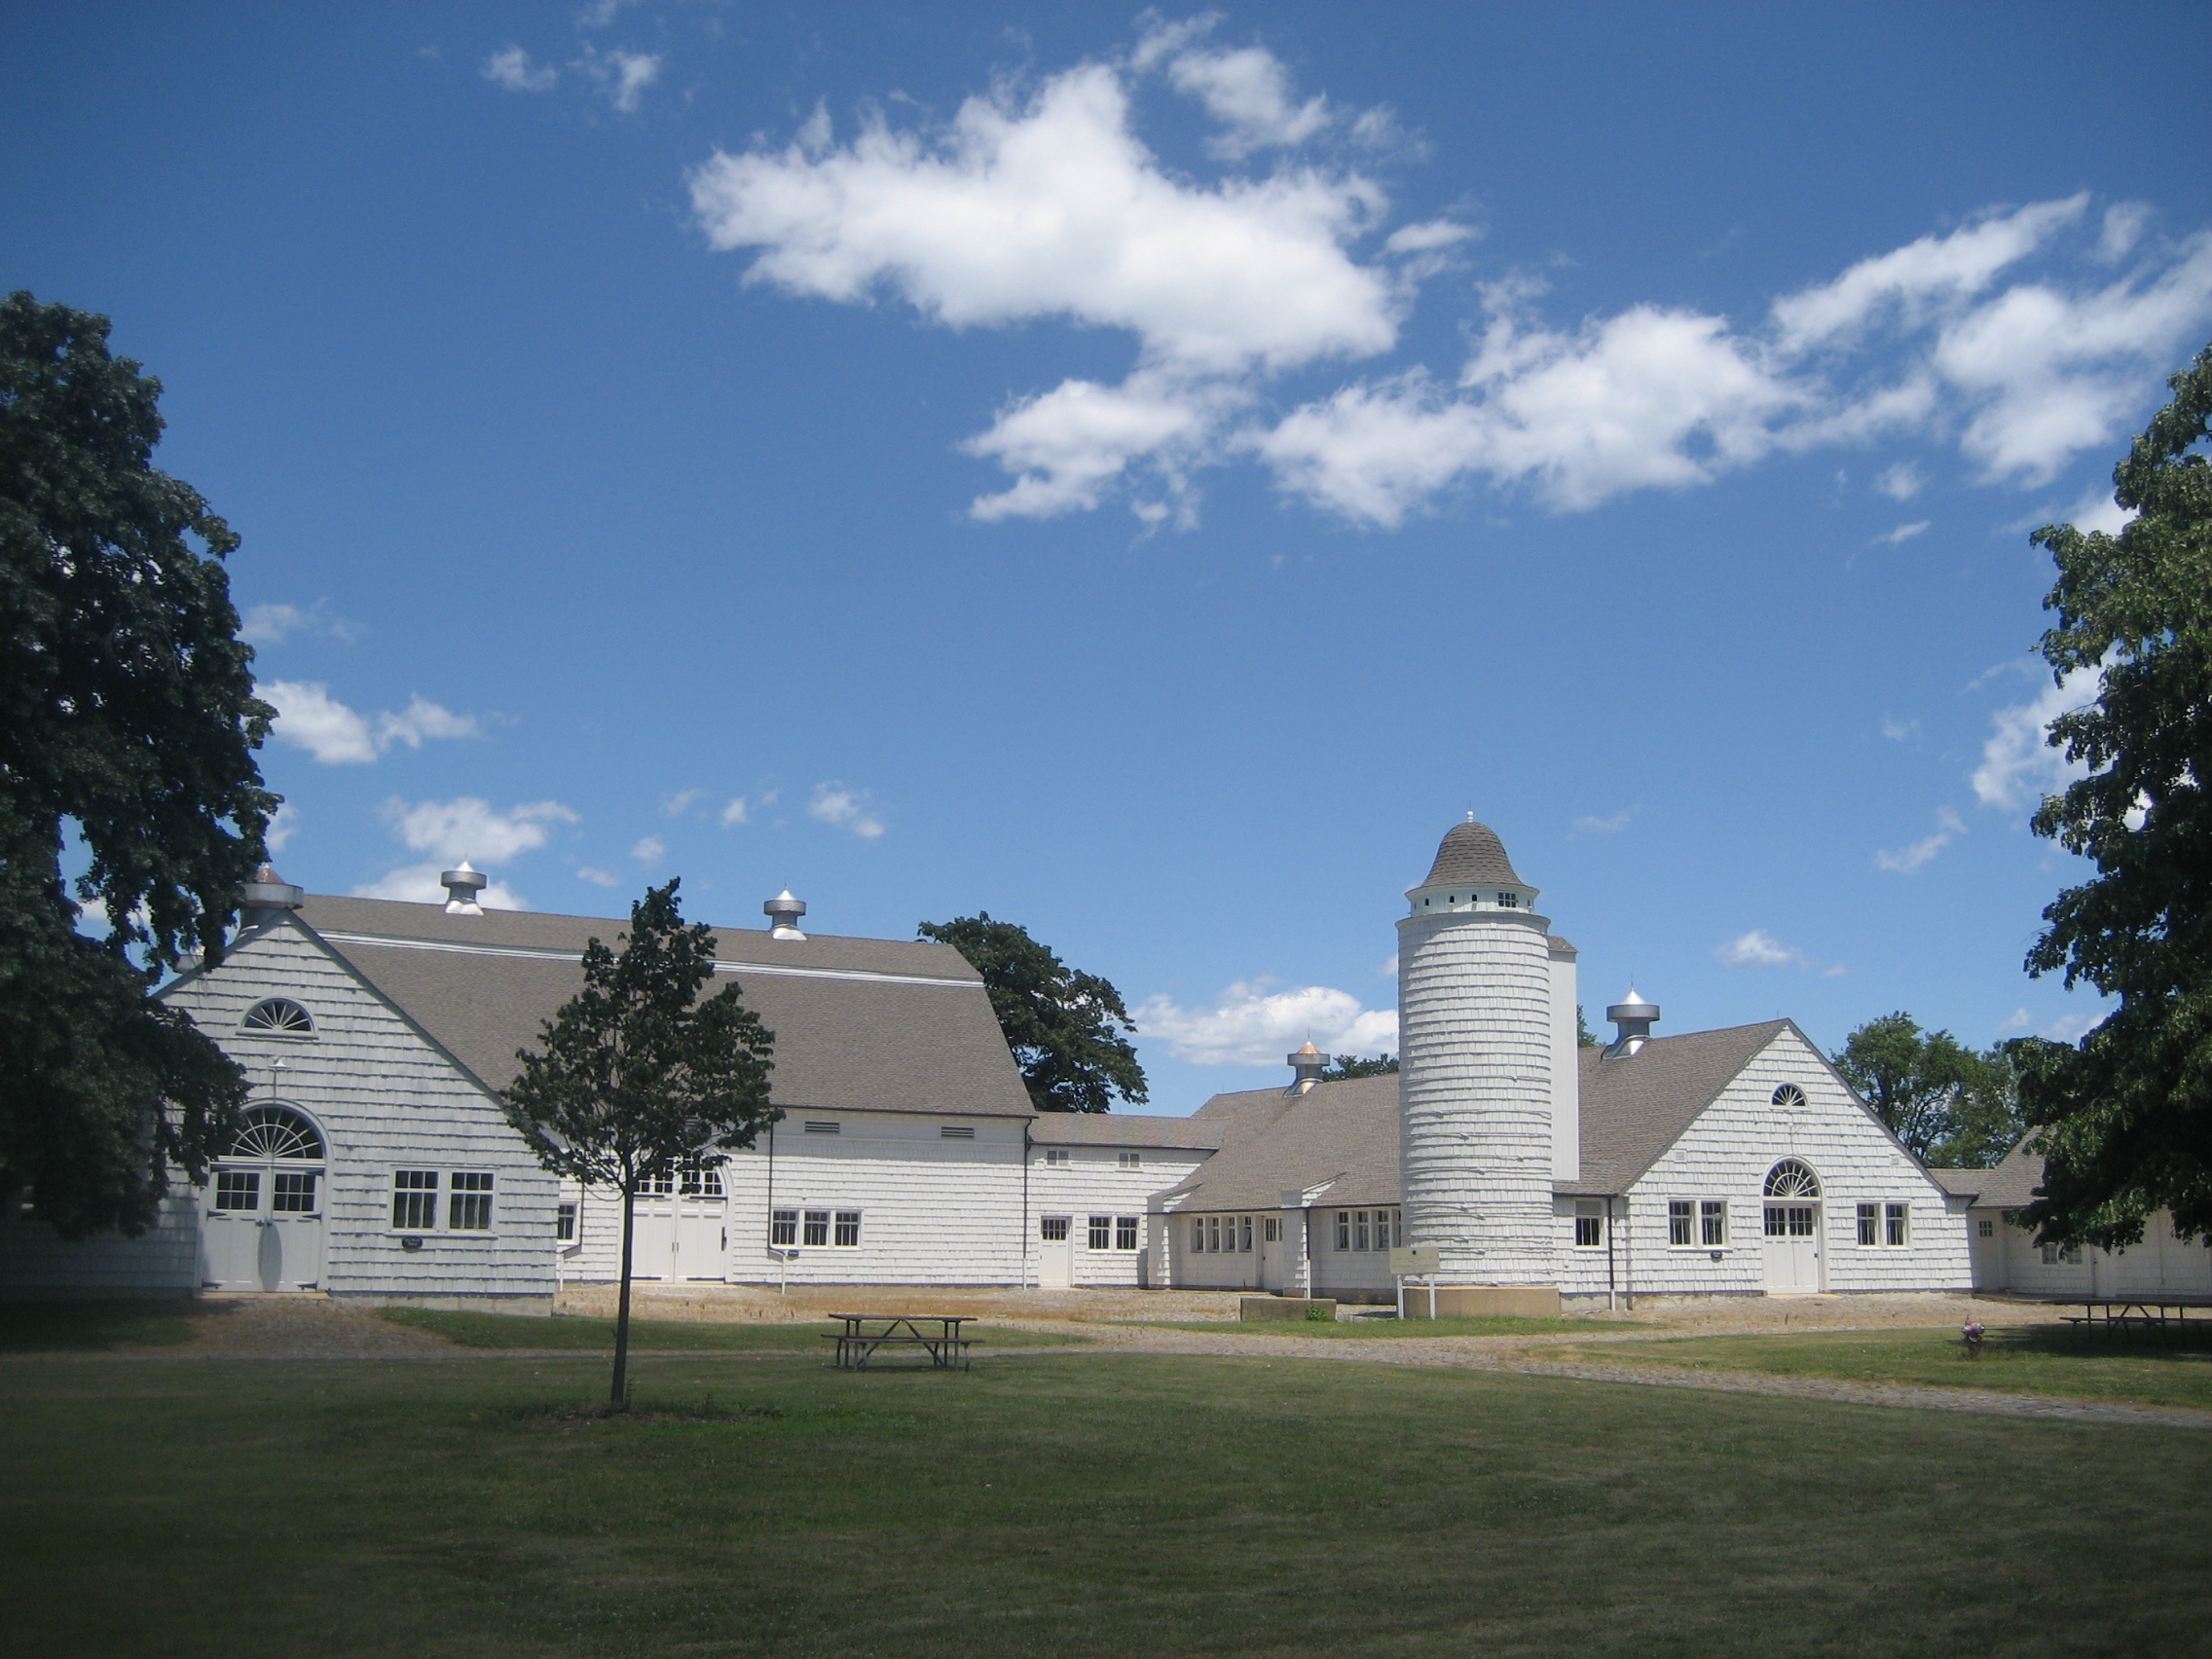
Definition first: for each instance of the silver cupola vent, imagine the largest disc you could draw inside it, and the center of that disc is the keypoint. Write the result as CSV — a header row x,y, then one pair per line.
x,y
462,887
1634,1017
783,912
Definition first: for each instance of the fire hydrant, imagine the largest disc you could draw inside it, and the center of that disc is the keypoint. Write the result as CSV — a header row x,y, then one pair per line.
x,y
1972,1334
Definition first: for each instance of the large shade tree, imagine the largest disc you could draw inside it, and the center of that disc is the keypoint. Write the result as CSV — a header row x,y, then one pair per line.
x,y
1948,1104
636,1075
2125,1117
127,725
1066,1028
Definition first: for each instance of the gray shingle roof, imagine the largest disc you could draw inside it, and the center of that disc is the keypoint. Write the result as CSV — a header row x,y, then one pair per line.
x,y
2011,1184
1472,853
1127,1128
1342,1133
861,1024
1635,1108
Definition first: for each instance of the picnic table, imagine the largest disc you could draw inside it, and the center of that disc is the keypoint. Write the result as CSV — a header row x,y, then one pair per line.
x,y
865,1332
2114,1313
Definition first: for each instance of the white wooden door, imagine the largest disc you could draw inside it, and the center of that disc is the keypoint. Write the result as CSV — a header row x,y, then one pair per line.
x,y
1793,1248
680,1225
261,1228
1055,1251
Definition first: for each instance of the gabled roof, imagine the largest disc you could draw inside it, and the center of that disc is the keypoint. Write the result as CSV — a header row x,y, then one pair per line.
x,y
1127,1128
1343,1136
861,1024
1635,1107
2011,1184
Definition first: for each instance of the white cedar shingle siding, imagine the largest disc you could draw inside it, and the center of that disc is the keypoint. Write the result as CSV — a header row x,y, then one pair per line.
x,y
386,1100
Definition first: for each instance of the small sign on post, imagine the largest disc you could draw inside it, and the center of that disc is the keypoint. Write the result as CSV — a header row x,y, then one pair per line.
x,y
1413,1261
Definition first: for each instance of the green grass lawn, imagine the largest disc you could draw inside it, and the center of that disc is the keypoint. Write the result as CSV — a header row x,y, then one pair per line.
x,y
1359,1328
2035,1360
1081,1504
88,1327
687,1336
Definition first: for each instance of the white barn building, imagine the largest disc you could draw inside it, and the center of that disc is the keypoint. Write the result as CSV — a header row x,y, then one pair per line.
x,y
376,1162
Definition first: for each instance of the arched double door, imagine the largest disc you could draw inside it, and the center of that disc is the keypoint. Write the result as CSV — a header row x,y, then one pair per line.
x,y
1792,1230
680,1222
261,1213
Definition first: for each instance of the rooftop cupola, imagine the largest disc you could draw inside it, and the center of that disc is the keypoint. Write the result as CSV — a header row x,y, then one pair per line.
x,y
1308,1063
462,887
783,912
1472,873
265,896
1635,1017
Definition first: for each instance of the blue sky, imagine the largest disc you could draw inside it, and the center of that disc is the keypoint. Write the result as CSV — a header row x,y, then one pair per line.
x,y
1148,475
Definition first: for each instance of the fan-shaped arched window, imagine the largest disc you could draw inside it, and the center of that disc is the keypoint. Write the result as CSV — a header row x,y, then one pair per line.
x,y
277,1016
277,1131
1790,1179
1789,1097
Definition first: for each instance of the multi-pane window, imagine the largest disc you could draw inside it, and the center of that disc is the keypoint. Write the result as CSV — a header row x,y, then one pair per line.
x,y
658,1183
1129,1161
1344,1230
1055,1156
414,1199
1897,1224
1359,1229
1509,900
1053,1229
1589,1223
1985,1228
471,1204
1275,1229
1198,1233
1125,1232
817,1229
238,1190
1712,1221
1681,1214
292,1192
1789,1221
1213,1232
1101,1232
1869,1225
2053,1254
698,1179
1244,1233
564,1224
783,1227
848,1230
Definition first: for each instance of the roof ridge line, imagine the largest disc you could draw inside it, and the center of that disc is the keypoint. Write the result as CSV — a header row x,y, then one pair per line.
x,y
527,954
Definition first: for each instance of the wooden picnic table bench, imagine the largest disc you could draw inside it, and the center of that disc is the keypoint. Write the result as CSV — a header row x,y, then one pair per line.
x,y
865,1332
2113,1314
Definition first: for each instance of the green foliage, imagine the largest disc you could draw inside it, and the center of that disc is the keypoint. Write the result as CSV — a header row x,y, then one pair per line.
x,y
1952,1107
1064,1026
2124,1117
1582,1037
635,1073
1321,1315
1351,1065
128,722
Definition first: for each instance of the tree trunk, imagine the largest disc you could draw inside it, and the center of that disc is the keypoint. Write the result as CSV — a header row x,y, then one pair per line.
x,y
621,1392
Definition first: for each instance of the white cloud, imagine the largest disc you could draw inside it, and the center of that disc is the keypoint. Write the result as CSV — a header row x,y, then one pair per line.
x,y
1759,949
1907,861
419,884
1912,280
2124,224
624,76
736,813
677,804
649,850
597,878
1049,206
1251,1024
421,718
2100,510
1613,825
1248,90
1902,532
1899,731
1900,482
2018,765
848,809
2020,1022
283,824
2069,1027
309,718
467,828
511,68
